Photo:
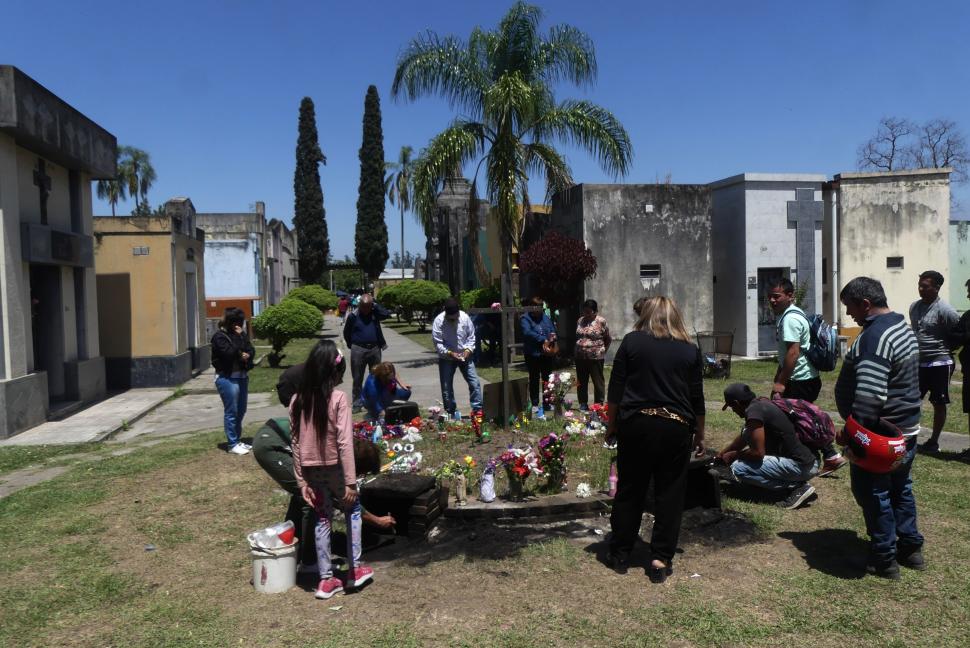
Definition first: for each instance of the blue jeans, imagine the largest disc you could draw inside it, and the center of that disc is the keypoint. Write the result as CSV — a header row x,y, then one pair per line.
x,y
889,508
446,374
234,393
773,473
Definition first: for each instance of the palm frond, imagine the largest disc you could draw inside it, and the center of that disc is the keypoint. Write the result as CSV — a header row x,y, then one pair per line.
x,y
567,55
444,67
592,128
543,158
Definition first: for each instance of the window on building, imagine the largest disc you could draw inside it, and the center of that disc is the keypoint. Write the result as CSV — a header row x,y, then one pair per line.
x,y
139,250
894,263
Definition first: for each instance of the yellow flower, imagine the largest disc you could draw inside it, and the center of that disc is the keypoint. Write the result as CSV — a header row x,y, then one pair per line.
x,y
391,454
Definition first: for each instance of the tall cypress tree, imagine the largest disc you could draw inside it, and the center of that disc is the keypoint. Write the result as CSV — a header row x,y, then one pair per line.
x,y
370,239
309,217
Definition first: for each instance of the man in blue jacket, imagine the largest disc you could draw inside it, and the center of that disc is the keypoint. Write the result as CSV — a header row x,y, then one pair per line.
x,y
365,339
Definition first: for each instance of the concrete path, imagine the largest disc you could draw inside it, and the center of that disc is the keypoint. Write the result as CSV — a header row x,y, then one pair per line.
x,y
97,422
195,413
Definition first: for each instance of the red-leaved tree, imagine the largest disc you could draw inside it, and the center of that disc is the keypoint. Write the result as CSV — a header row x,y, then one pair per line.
x,y
560,264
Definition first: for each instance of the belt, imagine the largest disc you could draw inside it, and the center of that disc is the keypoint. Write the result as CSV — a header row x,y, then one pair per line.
x,y
663,412
369,345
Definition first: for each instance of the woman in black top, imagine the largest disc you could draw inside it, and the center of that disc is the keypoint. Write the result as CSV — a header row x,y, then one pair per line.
x,y
656,405
232,358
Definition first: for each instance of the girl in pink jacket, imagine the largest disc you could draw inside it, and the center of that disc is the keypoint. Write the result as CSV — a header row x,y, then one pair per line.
x,y
323,460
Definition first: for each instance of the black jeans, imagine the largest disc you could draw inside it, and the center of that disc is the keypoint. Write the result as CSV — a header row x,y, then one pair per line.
x,y
657,448
806,390
587,370
539,368
361,359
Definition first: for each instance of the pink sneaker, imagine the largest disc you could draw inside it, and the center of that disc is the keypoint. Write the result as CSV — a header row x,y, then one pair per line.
x,y
328,587
359,576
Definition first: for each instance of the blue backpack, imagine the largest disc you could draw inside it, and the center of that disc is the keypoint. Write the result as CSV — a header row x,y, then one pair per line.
x,y
822,343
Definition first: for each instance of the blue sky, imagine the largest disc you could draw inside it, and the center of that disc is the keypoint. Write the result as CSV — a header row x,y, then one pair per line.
x,y
211,89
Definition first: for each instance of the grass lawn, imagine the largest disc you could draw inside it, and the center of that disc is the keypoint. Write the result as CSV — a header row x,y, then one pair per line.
x,y
16,457
148,549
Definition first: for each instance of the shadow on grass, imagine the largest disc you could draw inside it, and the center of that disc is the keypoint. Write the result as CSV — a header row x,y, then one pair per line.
x,y
484,540
963,456
836,552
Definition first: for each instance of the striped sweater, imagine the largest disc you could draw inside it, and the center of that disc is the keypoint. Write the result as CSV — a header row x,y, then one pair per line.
x,y
880,374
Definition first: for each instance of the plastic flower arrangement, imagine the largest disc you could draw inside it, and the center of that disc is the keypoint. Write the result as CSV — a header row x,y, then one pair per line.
x,y
478,425
559,384
552,459
455,467
406,462
583,490
600,412
520,462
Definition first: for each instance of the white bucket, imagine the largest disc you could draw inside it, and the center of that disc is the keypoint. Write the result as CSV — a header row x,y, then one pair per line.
x,y
274,570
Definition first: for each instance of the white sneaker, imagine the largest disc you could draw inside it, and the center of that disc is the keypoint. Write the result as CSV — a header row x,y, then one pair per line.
x,y
239,449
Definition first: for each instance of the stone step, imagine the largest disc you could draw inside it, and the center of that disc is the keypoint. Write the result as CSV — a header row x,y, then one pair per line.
x,y
60,410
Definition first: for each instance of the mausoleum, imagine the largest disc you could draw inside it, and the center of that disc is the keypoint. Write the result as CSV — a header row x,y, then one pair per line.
x,y
764,226
50,360
152,295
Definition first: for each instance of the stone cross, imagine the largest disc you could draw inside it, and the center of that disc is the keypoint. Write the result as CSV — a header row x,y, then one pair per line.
x,y
805,216
43,183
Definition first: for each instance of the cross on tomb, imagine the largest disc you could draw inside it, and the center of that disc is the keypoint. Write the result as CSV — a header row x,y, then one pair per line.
x,y
805,217
43,183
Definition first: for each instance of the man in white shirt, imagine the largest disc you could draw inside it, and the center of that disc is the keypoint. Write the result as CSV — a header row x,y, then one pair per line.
x,y
453,334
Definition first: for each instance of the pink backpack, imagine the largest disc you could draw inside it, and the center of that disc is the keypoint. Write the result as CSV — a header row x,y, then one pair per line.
x,y
812,425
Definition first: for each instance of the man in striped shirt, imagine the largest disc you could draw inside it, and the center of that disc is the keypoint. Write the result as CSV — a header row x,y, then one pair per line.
x,y
880,379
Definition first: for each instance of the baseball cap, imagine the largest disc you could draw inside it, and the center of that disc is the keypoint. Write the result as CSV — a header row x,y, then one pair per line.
x,y
737,393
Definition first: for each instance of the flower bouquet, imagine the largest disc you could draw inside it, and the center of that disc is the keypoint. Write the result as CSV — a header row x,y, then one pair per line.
x,y
519,463
457,472
558,385
552,459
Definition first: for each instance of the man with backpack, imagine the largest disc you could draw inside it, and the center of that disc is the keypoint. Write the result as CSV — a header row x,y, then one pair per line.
x,y
934,321
768,453
797,376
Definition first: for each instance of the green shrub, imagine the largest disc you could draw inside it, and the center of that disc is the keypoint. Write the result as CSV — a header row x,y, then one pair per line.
x,y
415,299
288,320
480,297
314,295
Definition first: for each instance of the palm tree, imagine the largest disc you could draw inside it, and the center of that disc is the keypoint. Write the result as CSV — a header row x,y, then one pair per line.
x,y
502,82
397,186
137,173
112,190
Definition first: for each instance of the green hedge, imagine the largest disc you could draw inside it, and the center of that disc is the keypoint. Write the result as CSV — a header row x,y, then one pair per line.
x,y
315,295
415,299
288,320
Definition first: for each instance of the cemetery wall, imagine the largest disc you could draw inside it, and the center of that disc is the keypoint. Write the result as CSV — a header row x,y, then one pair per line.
x,y
648,240
893,226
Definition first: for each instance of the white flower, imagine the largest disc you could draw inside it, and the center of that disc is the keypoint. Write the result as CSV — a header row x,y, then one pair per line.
x,y
565,376
412,435
397,447
583,490
409,447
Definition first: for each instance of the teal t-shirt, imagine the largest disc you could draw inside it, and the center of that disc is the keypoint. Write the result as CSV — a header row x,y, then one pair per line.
x,y
793,327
